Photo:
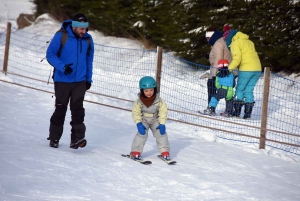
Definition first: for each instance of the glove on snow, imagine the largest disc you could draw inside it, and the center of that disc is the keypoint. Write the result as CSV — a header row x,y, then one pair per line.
x,y
162,129
141,128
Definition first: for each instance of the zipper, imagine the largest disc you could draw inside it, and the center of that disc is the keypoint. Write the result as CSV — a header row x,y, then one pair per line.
x,y
77,61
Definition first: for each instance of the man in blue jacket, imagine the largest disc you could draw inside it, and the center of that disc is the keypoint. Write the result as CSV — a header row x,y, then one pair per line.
x,y
71,53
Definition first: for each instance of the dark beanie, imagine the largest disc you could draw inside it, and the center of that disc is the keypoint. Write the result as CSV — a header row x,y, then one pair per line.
x,y
216,36
80,18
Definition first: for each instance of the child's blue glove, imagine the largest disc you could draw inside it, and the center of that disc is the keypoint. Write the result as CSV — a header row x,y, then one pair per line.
x,y
162,129
141,128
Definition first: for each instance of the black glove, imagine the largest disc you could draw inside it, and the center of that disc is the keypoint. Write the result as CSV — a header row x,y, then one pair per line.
x,y
88,85
68,69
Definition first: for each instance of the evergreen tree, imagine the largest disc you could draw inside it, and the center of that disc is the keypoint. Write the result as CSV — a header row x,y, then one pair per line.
x,y
179,25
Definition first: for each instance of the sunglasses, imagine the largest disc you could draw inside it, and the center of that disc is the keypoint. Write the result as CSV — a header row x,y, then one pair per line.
x,y
82,19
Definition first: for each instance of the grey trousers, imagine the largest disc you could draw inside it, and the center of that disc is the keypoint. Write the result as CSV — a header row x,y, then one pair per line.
x,y
140,140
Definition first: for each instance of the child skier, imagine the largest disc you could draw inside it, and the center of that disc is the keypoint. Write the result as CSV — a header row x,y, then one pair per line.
x,y
224,84
149,111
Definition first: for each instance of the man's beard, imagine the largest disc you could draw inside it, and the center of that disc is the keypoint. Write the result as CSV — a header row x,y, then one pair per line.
x,y
78,34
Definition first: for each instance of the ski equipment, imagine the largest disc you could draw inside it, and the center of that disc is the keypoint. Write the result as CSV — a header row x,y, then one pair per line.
x,y
136,159
168,161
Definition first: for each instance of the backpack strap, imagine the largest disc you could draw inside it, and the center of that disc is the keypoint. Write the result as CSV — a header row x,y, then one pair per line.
x,y
63,40
88,40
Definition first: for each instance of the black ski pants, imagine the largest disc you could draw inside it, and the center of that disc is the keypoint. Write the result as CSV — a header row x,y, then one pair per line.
x,y
211,88
65,93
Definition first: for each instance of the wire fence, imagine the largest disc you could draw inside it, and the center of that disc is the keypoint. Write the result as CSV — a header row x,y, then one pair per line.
x,y
116,73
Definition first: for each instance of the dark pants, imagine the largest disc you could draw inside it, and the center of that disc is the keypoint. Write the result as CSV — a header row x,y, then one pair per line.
x,y
65,92
211,88
222,93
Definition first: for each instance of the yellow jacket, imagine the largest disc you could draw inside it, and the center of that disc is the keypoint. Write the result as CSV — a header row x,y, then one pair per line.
x,y
157,111
244,55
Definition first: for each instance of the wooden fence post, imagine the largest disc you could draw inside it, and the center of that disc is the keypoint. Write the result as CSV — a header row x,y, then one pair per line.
x,y
6,51
264,110
159,66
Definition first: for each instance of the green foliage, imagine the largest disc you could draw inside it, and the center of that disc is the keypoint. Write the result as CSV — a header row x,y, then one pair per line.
x,y
179,25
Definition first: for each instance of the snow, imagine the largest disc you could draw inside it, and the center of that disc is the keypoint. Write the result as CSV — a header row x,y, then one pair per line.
x,y
207,169
11,9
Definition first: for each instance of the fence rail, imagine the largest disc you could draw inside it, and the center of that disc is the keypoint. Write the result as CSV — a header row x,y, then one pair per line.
x,y
275,117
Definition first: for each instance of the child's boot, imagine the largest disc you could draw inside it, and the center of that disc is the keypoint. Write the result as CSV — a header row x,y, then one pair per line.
x,y
166,155
135,155
229,109
210,111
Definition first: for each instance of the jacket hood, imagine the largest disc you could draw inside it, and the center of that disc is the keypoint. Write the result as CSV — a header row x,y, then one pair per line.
x,y
66,23
232,33
240,35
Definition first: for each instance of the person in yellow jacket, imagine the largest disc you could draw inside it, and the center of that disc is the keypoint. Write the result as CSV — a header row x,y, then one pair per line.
x,y
149,111
245,57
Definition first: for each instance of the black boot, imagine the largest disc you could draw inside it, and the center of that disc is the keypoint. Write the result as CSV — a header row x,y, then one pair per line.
x,y
248,110
229,106
78,143
237,104
229,109
54,143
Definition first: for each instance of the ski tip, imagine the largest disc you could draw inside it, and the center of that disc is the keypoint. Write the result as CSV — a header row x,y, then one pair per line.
x,y
172,163
146,162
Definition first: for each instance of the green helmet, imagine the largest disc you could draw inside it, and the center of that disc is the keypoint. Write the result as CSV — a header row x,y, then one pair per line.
x,y
147,82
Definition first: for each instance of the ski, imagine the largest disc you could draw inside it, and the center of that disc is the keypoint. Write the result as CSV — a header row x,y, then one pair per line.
x,y
212,115
169,162
140,161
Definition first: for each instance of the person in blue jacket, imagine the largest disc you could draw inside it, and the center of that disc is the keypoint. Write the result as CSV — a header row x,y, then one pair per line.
x,y
224,84
73,66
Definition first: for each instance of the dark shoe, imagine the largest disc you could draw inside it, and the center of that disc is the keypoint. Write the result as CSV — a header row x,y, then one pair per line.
x,y
248,110
78,143
54,143
229,108
226,114
237,104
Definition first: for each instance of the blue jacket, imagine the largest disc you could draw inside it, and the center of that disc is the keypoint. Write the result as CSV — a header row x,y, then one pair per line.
x,y
227,81
74,51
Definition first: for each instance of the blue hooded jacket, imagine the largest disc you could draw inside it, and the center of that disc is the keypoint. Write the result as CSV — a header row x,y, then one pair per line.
x,y
74,51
